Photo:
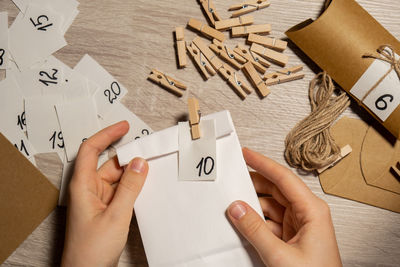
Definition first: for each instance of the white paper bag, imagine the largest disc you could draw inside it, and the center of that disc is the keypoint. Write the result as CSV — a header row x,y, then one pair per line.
x,y
184,223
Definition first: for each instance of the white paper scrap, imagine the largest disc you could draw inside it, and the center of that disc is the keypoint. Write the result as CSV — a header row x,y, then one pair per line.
x,y
43,30
110,90
4,55
78,121
137,127
12,112
44,131
197,158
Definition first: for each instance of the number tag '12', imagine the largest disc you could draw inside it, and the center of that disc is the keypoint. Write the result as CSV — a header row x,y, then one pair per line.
x,y
197,158
385,98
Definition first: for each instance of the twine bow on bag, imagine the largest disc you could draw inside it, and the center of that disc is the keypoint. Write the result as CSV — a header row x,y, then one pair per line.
x,y
385,53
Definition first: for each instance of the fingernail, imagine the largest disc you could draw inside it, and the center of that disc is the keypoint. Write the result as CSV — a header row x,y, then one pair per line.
x,y
138,165
237,210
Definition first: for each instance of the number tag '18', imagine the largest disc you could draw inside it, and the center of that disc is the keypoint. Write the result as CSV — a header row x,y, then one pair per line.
x,y
197,158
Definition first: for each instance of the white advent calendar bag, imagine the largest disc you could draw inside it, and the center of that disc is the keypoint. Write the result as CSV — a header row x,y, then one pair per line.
x,y
184,223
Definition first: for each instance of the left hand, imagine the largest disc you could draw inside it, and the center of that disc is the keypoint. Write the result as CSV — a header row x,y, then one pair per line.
x,y
101,202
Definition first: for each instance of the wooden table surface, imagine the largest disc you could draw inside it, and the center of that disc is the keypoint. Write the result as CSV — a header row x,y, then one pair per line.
x,y
130,37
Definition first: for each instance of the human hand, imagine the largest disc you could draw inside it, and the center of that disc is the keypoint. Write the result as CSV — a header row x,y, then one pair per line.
x,y
101,202
299,231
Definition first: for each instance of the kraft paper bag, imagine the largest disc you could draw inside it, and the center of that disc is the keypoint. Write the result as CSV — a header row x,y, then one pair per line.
x,y
337,41
346,179
26,198
184,223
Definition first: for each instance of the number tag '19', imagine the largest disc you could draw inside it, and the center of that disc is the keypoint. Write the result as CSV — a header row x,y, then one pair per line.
x,y
197,158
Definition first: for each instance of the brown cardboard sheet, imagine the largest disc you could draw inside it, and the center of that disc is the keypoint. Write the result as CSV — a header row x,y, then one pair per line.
x,y
346,178
338,39
26,198
378,154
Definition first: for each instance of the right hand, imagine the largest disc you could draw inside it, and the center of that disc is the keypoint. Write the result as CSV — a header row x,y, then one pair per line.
x,y
299,231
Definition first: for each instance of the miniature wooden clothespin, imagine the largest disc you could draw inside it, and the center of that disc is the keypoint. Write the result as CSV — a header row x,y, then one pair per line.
x,y
396,170
194,118
180,46
229,23
241,31
216,63
206,30
272,43
227,54
211,12
346,150
269,54
259,63
237,84
167,82
256,80
201,61
284,75
248,6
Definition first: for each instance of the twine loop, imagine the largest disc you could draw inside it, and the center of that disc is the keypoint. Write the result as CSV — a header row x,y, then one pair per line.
x,y
310,145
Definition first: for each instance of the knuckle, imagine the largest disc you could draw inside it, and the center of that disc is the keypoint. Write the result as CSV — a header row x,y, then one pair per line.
x,y
324,208
253,227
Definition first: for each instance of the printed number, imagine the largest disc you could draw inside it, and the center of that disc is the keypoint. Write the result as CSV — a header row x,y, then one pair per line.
x,y
59,137
22,148
202,166
113,93
2,51
51,79
144,132
21,120
381,104
39,23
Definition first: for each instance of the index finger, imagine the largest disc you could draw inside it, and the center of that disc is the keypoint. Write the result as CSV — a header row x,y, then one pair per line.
x,y
90,150
291,186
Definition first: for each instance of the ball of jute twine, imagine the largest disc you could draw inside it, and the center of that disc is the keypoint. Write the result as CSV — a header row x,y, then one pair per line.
x,y
310,145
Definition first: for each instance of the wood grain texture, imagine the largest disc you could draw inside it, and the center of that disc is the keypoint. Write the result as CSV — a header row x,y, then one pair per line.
x,y
129,38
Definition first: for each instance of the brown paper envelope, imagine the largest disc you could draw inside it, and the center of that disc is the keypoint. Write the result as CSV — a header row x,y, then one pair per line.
x,y
345,179
377,156
26,198
338,39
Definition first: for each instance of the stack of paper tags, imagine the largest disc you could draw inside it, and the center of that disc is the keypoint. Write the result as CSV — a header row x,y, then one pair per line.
x,y
46,106
218,58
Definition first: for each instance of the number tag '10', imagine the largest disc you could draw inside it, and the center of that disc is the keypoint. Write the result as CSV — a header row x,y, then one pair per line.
x,y
197,158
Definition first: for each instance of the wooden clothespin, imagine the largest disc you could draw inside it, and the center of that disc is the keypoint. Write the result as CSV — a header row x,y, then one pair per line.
x,y
206,30
211,12
234,22
269,54
180,46
248,6
237,84
201,61
284,75
167,82
245,53
227,54
396,170
241,31
194,118
216,63
346,150
272,43
256,80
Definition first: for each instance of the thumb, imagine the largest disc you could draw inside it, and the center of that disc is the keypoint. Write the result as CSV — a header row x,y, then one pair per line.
x,y
129,187
249,223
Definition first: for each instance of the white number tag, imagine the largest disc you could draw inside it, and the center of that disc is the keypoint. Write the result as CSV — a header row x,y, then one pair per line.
x,y
385,98
198,158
